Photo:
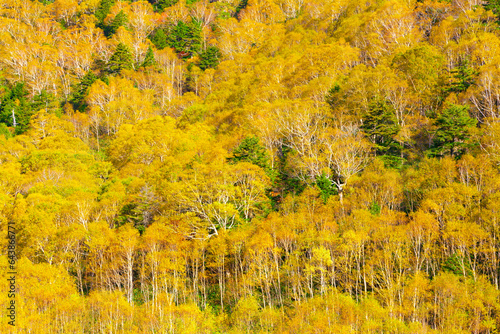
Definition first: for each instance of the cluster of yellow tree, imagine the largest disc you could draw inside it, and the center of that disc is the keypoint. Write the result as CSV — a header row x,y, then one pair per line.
x,y
267,166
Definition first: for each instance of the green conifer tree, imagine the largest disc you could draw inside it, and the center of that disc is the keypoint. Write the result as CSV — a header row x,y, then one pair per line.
x,y
209,58
381,126
462,77
160,5
453,131
159,39
120,60
81,90
102,11
120,20
250,150
186,38
149,59
15,109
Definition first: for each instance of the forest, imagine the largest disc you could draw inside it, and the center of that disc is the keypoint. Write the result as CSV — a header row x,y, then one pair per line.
x,y
250,166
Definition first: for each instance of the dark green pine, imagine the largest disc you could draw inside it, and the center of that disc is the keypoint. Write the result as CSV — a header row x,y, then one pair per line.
x,y
453,131
81,90
462,77
15,103
195,37
209,58
122,59
186,38
251,151
159,39
381,126
178,37
160,5
103,10
149,59
120,20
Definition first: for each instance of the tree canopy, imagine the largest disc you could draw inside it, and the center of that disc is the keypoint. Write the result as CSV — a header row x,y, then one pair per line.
x,y
251,166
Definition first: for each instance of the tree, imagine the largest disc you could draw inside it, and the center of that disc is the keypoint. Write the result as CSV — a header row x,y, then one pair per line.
x,y
160,5
159,38
252,184
347,155
494,6
15,109
81,90
453,132
422,66
122,59
186,38
381,127
463,76
128,239
149,59
65,10
120,20
103,10
250,150
209,58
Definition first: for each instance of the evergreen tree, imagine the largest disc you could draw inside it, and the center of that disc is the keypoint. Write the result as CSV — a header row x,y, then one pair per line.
x,y
46,101
380,126
462,77
251,151
159,39
188,79
178,37
453,131
195,36
103,10
81,90
120,20
160,5
334,96
15,109
209,58
458,265
149,59
120,60
136,214
186,38
326,187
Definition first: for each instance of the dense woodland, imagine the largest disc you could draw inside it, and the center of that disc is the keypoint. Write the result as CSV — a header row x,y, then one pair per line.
x,y
253,166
